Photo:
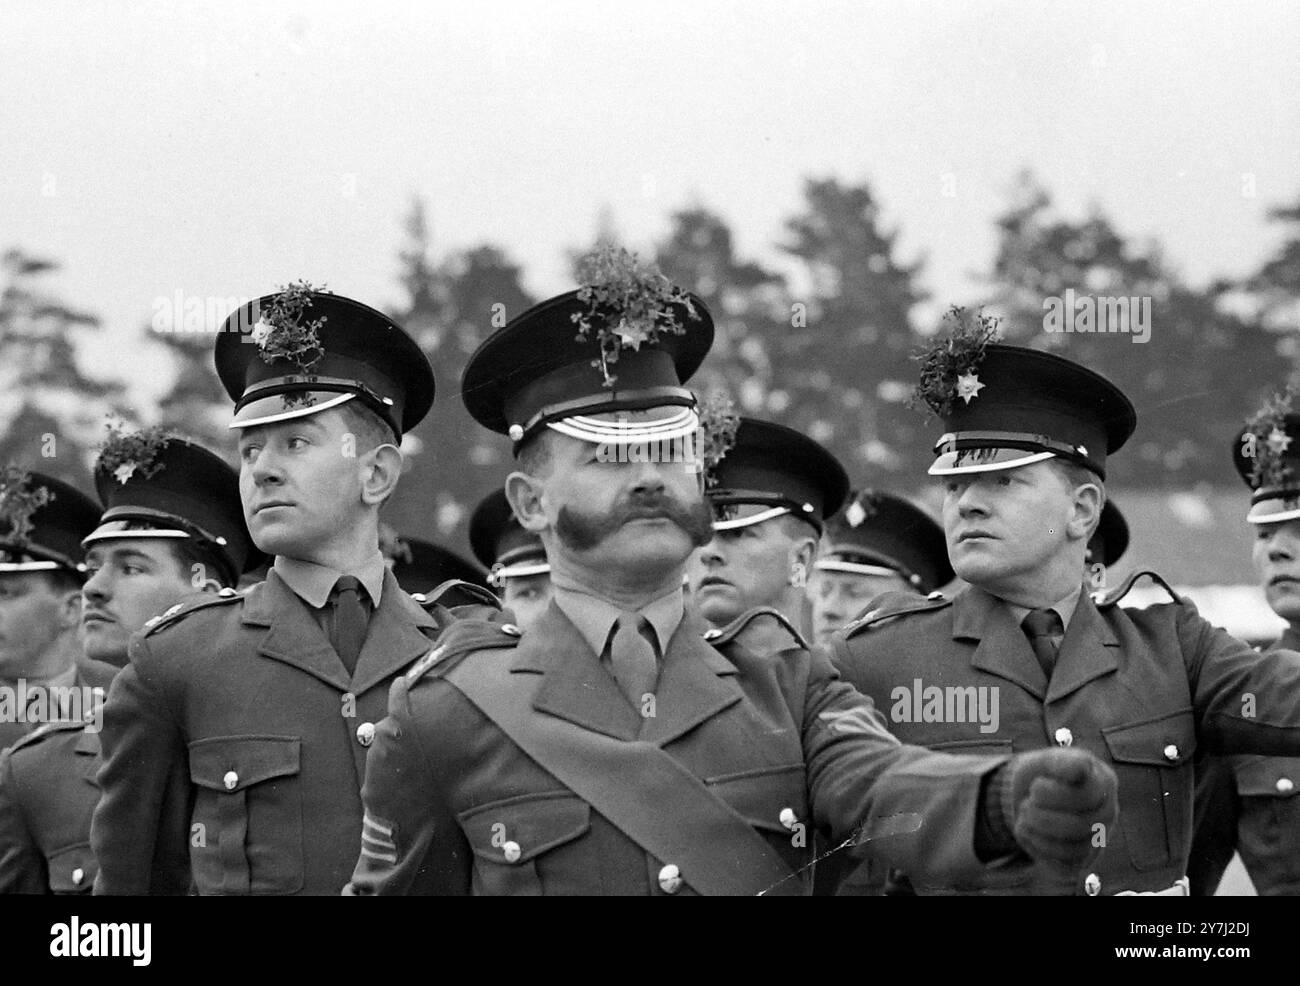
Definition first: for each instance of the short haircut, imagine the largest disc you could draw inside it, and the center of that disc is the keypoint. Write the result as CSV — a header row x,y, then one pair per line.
x,y
796,529
369,428
534,456
212,565
1074,475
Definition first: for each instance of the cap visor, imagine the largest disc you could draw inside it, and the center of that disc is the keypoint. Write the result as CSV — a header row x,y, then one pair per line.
x,y
269,410
976,460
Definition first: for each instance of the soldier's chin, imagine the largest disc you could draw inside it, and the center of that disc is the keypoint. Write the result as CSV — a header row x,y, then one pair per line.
x,y
717,606
1284,600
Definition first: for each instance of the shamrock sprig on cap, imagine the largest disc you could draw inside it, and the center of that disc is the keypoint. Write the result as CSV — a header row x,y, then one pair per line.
x,y
134,454
282,333
20,498
629,304
1266,442
949,367
719,422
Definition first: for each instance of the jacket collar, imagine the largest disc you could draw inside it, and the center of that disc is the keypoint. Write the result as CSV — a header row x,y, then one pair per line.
x,y
694,682
395,638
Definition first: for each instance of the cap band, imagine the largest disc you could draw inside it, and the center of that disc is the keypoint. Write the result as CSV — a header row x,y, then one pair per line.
x,y
1273,505
164,525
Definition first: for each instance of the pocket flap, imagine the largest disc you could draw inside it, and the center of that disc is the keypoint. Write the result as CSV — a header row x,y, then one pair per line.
x,y
232,763
763,796
72,870
517,829
1268,777
1167,741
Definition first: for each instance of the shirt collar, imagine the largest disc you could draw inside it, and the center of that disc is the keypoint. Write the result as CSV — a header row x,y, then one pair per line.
x,y
595,617
1064,608
313,583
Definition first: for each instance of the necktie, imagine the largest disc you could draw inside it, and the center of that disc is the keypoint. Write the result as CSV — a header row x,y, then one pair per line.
x,y
632,658
1042,627
349,627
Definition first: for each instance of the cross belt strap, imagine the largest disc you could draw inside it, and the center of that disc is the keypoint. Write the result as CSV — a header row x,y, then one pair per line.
x,y
632,784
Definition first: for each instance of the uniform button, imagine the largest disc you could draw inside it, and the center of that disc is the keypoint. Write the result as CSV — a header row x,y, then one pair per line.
x,y
510,630
231,780
78,875
366,733
1092,884
670,879
511,851
713,634
787,818
1063,737
1171,752
1284,785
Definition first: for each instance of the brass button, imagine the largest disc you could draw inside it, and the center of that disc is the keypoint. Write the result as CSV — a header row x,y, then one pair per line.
x,y
787,818
1284,785
78,875
713,634
510,630
511,851
366,733
1063,737
1092,884
670,879
231,780
1171,752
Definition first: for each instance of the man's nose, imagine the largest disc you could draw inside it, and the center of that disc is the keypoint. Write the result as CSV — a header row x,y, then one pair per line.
x,y
648,479
95,588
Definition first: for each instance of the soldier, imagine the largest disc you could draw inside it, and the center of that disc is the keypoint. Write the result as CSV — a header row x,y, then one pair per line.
x,y
425,569
235,740
1023,659
613,748
1248,803
43,676
172,525
878,543
515,558
770,491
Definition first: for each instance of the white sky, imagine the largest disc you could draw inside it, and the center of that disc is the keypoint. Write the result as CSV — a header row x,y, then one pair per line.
x,y
222,149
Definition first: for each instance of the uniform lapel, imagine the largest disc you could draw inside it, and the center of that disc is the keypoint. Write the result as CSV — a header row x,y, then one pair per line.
x,y
695,684
393,638
574,686
1003,647
1088,651
293,636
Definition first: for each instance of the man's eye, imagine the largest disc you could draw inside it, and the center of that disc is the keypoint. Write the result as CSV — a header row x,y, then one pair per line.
x,y
248,452
1004,480
297,442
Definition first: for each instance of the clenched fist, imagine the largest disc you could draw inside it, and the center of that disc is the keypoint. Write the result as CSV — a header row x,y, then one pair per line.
x,y
1052,800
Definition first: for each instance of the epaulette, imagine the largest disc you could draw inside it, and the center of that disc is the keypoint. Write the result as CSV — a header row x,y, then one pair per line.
x,y
1113,597
724,635
58,726
460,639
476,592
889,605
182,610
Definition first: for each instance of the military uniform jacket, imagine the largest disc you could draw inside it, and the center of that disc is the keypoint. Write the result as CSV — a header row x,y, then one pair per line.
x,y
1248,804
454,805
235,743
89,674
47,794
1141,689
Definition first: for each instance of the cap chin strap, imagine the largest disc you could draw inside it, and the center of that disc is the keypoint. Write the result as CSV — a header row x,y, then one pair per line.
x,y
935,470
297,412
758,518
499,573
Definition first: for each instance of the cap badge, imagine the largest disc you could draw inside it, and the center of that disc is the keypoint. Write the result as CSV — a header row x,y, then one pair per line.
x,y
124,454
948,367
281,333
1266,442
969,386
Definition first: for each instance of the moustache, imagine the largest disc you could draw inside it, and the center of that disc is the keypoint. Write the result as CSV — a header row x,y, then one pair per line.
x,y
582,532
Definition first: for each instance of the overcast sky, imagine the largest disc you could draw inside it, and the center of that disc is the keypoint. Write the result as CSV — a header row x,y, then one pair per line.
x,y
221,149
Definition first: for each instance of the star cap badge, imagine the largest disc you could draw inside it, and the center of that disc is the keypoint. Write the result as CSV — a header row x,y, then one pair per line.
x,y
1278,440
855,514
124,472
969,386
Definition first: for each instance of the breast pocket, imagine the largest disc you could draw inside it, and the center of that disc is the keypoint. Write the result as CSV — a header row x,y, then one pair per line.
x,y
246,830
72,870
519,842
1270,811
1152,760
774,800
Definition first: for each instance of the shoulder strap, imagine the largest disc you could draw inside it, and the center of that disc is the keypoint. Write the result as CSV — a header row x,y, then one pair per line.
x,y
891,604
724,635
476,594
1113,597
630,784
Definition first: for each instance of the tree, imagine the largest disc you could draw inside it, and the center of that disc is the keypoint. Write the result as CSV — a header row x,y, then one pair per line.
x,y
845,360
1196,378
53,414
451,307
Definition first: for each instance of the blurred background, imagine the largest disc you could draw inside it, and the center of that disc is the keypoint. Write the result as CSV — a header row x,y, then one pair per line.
x,y
829,177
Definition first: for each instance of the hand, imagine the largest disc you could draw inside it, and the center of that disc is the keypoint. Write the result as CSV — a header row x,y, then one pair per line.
x,y
1058,797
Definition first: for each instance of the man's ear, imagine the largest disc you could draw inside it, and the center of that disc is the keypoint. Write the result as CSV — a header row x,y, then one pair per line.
x,y
70,610
524,492
1087,512
382,467
804,552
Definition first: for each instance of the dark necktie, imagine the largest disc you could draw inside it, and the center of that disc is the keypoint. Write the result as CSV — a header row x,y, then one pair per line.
x,y
632,658
1042,627
350,619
